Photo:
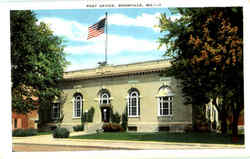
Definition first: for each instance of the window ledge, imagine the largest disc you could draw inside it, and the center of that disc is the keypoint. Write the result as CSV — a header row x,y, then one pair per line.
x,y
133,116
76,117
165,115
165,118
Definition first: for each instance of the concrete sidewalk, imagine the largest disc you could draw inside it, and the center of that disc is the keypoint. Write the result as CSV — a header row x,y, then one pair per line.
x,y
140,145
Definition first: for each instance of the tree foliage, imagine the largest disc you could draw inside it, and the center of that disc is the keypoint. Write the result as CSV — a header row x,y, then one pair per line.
x,y
37,62
206,45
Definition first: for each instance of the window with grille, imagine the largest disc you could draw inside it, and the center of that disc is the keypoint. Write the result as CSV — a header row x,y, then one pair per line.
x,y
165,106
104,98
55,112
133,104
77,107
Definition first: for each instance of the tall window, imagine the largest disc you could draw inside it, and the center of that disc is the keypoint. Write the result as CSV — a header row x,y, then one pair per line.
x,y
166,104
15,123
55,112
77,105
104,98
165,101
133,104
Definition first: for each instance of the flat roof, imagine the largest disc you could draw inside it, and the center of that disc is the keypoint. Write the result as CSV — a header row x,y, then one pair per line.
x,y
118,70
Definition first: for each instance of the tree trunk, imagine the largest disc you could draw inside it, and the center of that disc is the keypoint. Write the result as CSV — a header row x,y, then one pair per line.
x,y
236,114
223,124
235,124
222,116
223,119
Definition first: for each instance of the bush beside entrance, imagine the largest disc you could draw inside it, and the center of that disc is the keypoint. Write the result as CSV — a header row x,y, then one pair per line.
x,y
112,127
78,128
61,133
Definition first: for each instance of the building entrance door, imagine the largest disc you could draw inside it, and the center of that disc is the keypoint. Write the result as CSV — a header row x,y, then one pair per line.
x,y
105,114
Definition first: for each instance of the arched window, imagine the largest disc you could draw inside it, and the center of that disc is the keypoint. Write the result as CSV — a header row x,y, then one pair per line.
x,y
165,101
77,106
104,98
133,104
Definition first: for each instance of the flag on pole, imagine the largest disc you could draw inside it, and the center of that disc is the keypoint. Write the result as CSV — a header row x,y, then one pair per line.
x,y
96,29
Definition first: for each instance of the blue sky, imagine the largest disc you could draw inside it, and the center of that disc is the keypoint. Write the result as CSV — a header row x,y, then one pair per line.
x,y
132,35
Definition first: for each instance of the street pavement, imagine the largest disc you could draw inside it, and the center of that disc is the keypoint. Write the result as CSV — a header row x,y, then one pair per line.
x,y
51,143
26,147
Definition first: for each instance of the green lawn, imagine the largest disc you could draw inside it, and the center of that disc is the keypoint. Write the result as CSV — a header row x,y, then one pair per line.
x,y
193,137
44,133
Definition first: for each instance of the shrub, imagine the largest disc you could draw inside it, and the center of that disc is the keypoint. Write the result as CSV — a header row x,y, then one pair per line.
x,y
112,127
61,133
88,116
31,132
24,132
125,120
188,128
18,132
115,118
78,128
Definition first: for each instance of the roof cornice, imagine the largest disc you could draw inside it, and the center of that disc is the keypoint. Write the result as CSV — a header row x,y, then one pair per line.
x,y
118,70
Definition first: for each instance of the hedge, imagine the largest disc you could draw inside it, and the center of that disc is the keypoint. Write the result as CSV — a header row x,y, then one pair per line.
x,y
24,132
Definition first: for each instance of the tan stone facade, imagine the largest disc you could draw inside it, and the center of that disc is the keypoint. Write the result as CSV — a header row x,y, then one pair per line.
x,y
154,103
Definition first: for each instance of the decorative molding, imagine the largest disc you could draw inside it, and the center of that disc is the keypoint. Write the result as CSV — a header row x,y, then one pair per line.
x,y
165,79
105,105
77,86
118,70
133,81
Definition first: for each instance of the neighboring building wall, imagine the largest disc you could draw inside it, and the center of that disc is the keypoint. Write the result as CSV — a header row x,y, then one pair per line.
x,y
24,121
148,85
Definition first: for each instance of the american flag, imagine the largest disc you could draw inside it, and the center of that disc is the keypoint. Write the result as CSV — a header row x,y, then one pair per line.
x,y
96,29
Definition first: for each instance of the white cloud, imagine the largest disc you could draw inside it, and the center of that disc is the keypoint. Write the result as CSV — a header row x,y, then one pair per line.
x,y
81,65
144,20
116,45
75,31
70,29
132,58
92,62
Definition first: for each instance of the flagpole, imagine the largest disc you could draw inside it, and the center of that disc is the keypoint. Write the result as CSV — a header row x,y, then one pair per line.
x,y
106,42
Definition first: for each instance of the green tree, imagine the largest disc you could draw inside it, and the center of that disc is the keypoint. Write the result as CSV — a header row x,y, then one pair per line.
x,y
206,46
37,62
